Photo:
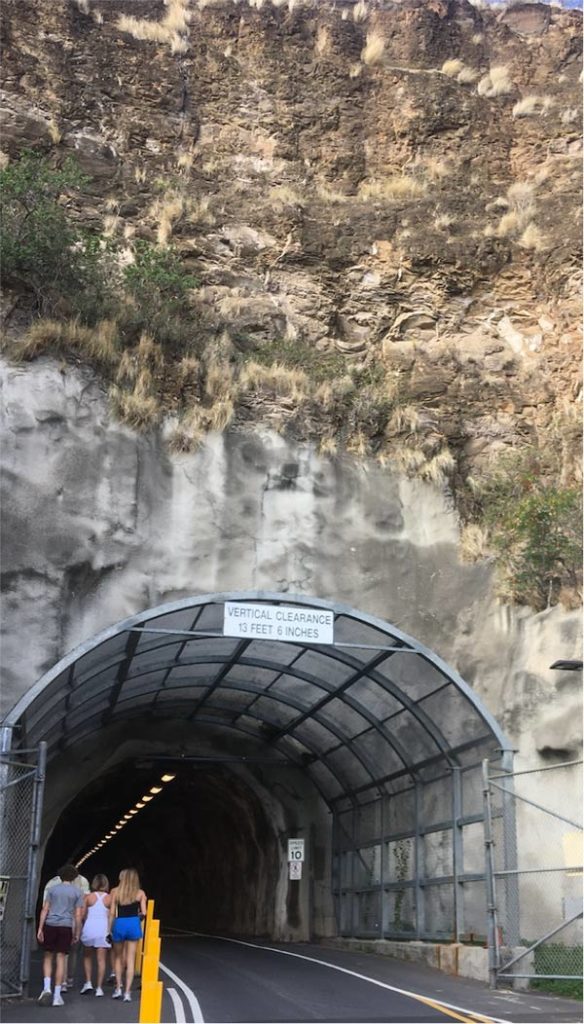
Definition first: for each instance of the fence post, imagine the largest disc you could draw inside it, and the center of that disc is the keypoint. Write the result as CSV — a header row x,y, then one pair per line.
x,y
512,931
457,854
32,863
492,930
151,992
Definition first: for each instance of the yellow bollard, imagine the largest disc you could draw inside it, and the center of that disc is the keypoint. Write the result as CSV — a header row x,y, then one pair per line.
x,y
151,1003
151,988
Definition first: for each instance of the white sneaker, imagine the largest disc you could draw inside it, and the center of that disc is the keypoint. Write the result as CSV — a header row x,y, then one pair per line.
x,y
117,993
57,1001
64,987
88,987
99,991
46,997
127,998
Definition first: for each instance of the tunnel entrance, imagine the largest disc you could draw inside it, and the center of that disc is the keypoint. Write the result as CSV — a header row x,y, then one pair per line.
x,y
354,737
204,847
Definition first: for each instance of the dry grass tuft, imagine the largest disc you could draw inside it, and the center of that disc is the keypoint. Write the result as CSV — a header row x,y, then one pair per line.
x,y
97,17
466,76
278,380
433,168
355,70
167,212
443,221
532,238
100,343
474,543
55,133
397,187
438,469
360,12
408,460
496,82
219,383
405,420
139,408
189,434
281,196
322,43
452,67
521,203
111,222
172,30
509,224
185,159
531,106
372,52
570,115
82,5
328,447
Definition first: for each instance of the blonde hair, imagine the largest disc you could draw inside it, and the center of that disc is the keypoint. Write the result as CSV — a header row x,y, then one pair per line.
x,y
129,886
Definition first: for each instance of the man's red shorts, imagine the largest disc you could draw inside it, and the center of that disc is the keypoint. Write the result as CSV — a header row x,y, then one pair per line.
x,y
57,940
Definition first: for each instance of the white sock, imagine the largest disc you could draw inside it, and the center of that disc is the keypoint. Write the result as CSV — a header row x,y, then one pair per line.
x,y
57,990
46,984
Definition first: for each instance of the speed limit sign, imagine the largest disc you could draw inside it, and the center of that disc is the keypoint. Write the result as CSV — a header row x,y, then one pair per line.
x,y
295,850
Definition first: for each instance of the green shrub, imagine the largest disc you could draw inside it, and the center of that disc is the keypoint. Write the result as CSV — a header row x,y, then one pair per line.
x,y
41,249
298,355
535,528
156,287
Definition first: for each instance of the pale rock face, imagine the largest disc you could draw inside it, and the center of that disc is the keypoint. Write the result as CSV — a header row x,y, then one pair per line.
x,y
100,523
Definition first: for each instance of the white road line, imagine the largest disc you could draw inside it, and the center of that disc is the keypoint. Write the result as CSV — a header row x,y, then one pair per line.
x,y
363,977
190,995
179,1013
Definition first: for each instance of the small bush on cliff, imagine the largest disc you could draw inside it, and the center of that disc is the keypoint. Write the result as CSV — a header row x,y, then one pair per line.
x,y
41,249
536,535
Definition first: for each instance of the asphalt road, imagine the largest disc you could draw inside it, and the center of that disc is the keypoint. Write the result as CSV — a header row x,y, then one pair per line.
x,y
216,981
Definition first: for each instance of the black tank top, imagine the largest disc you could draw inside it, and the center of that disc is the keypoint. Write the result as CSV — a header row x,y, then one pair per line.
x,y
128,909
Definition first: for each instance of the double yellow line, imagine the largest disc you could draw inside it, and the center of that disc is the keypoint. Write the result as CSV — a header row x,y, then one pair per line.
x,y
469,1018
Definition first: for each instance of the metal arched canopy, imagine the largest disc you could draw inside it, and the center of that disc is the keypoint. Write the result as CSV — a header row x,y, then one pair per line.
x,y
359,714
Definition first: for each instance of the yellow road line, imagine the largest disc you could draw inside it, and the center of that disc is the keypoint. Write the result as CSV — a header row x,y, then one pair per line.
x,y
457,1016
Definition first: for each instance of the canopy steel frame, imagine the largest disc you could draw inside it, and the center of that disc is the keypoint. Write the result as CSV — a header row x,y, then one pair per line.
x,y
38,706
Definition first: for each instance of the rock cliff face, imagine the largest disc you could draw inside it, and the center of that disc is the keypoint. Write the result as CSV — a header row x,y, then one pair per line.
x,y
100,523
394,183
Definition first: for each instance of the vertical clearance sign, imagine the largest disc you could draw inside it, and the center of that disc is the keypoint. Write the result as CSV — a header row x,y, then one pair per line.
x,y
293,623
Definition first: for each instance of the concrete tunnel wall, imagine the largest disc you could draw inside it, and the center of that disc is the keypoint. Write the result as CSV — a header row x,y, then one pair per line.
x,y
212,849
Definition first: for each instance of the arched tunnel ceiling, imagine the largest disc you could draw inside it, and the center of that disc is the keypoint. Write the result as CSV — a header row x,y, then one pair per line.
x,y
357,715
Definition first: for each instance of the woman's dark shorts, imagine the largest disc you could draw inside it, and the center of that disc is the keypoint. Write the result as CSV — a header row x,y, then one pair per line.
x,y
56,939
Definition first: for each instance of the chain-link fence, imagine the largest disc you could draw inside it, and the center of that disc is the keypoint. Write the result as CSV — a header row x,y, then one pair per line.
x,y
535,899
21,786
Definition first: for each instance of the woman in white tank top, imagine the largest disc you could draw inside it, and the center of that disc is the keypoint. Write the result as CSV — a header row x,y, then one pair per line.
x,y
95,929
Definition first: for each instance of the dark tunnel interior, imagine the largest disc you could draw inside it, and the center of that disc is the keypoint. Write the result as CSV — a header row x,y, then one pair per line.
x,y
204,846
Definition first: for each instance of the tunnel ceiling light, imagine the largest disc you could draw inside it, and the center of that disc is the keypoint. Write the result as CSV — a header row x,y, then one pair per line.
x,y
133,811
139,805
156,789
168,778
118,827
147,798
127,816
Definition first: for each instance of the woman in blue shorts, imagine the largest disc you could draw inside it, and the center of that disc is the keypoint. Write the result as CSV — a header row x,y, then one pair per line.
x,y
127,911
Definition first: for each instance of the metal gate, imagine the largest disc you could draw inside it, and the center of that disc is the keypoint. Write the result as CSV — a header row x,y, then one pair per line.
x,y
22,775
535,907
